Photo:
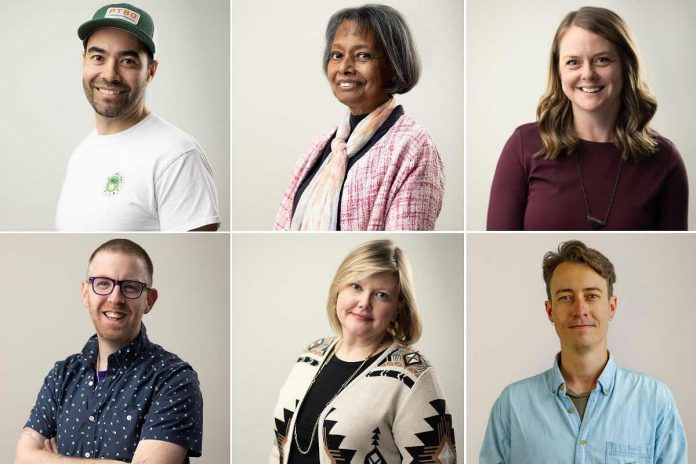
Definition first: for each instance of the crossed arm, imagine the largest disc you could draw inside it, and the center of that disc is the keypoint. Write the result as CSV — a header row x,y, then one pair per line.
x,y
34,448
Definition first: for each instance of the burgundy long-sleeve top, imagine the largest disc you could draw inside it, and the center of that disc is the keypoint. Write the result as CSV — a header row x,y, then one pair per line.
x,y
538,194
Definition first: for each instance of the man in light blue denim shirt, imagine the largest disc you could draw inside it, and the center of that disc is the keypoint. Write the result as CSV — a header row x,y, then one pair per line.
x,y
585,409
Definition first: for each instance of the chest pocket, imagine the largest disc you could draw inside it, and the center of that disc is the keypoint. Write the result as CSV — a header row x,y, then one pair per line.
x,y
619,453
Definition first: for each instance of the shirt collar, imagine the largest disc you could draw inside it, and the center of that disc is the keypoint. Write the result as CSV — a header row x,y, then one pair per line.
x,y
121,358
605,382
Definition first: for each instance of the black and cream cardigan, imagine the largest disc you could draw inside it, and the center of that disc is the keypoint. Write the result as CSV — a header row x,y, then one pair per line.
x,y
393,412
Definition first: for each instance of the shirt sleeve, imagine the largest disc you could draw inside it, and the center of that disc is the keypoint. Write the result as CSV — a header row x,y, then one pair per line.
x,y
186,194
674,199
417,204
424,415
508,199
670,439
176,412
43,418
496,442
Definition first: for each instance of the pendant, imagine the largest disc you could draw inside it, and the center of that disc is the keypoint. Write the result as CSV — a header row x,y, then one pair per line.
x,y
596,223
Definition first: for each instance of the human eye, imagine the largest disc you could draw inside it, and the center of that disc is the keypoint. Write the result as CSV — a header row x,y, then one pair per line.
x,y
96,58
129,62
362,57
356,287
602,60
593,296
102,284
383,296
336,55
572,63
130,286
565,298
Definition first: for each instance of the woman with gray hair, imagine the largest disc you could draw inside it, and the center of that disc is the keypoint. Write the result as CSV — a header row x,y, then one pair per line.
x,y
365,396
379,170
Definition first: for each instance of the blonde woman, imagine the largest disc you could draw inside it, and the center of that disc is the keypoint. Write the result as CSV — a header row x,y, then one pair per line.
x,y
591,161
365,395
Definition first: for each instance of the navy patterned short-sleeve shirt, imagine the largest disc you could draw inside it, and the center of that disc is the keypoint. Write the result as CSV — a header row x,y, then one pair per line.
x,y
148,393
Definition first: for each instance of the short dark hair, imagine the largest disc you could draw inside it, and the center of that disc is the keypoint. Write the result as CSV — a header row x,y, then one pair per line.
x,y
392,36
127,247
574,251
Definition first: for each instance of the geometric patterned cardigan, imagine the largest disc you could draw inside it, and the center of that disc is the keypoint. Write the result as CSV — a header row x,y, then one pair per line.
x,y
395,411
397,184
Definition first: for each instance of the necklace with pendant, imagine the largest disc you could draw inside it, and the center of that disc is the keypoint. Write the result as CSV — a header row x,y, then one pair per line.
x,y
344,385
597,223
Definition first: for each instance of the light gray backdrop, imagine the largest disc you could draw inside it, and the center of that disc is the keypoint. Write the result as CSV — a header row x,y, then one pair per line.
x,y
44,319
279,290
45,113
281,99
508,44
510,337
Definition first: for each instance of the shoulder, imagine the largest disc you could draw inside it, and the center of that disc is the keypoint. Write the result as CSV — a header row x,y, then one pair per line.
x,y
408,129
526,388
525,140
161,132
406,358
629,382
166,360
319,347
667,152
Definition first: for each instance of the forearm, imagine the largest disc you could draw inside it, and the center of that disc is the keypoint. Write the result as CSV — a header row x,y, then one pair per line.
x,y
34,448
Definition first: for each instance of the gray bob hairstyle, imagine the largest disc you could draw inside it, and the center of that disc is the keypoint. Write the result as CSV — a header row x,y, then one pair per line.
x,y
393,39
371,258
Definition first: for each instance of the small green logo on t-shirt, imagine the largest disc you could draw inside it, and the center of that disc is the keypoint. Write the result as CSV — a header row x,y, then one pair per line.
x,y
113,184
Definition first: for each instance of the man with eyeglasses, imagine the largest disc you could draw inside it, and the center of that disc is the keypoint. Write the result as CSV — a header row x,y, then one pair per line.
x,y
123,398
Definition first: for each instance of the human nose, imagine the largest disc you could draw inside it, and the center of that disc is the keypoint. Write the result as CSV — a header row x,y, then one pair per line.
x,y
364,301
588,72
580,307
110,71
116,296
346,65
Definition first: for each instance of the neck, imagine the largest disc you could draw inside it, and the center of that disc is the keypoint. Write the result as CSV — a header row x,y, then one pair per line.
x,y
581,370
358,349
595,127
106,349
108,126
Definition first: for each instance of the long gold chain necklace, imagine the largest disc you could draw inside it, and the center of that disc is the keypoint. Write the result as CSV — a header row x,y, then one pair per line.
x,y
344,385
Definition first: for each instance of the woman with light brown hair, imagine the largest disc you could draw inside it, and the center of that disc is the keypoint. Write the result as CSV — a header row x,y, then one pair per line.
x,y
365,395
591,161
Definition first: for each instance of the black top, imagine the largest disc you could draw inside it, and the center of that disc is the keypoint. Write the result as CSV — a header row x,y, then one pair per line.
x,y
148,393
354,120
334,374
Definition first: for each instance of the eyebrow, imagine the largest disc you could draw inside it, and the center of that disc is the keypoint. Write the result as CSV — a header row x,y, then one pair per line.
x,y
586,289
607,52
130,53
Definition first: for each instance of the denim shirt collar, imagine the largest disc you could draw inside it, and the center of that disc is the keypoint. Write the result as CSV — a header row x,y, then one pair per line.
x,y
605,382
119,359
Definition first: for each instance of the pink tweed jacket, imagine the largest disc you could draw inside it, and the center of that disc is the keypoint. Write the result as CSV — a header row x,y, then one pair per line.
x,y
397,184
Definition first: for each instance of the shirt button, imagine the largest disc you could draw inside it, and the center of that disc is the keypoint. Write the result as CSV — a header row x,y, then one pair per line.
x,y
87,455
583,442
571,410
90,383
91,418
128,417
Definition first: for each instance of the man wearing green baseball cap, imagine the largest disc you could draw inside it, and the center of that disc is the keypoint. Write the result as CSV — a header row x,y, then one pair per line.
x,y
135,171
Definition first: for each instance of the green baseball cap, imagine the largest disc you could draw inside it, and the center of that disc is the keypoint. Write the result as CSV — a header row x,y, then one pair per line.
x,y
122,16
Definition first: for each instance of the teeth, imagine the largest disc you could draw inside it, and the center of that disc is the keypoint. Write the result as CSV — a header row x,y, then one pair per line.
x,y
346,85
590,89
114,316
110,92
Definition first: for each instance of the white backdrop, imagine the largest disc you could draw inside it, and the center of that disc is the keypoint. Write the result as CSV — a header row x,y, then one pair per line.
x,y
45,113
48,323
508,44
509,337
281,99
280,284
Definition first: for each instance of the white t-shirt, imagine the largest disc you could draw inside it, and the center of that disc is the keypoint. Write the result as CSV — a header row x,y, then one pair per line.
x,y
151,176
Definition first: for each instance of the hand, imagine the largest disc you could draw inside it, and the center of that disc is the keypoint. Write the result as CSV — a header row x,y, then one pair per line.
x,y
51,445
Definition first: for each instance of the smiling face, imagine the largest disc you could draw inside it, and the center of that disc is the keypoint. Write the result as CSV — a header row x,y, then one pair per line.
x,y
591,73
116,318
580,307
115,73
357,69
366,307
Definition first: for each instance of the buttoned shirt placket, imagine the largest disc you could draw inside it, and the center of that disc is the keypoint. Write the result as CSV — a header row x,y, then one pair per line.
x,y
582,426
